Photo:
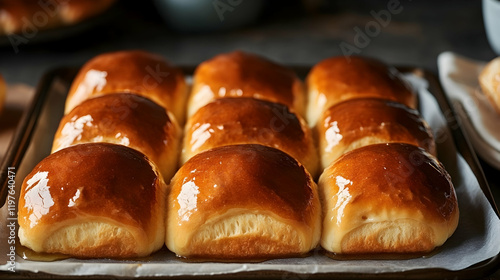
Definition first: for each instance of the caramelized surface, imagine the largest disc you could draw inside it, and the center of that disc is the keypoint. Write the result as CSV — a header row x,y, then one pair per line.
x,y
124,119
238,74
340,78
349,124
137,72
387,198
242,176
229,121
400,176
97,179
128,118
242,202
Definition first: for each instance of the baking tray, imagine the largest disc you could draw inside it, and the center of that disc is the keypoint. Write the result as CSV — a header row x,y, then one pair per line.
x,y
61,78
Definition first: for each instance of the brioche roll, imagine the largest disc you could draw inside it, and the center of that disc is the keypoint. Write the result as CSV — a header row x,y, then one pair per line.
x,y
337,79
125,119
229,121
136,72
26,15
387,198
242,202
489,80
95,200
360,122
238,74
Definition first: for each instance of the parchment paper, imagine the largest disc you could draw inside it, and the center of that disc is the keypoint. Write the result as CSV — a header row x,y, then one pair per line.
x,y
476,238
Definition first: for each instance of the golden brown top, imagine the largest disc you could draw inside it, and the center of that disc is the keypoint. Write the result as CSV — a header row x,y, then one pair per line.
x,y
393,176
239,74
352,120
126,119
248,121
342,78
252,177
135,71
97,179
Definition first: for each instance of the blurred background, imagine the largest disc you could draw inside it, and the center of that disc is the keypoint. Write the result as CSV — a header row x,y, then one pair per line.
x,y
292,32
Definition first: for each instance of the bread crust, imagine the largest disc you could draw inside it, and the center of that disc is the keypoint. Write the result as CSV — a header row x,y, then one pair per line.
x,y
138,72
240,74
229,121
96,200
125,119
340,78
242,191
387,198
359,122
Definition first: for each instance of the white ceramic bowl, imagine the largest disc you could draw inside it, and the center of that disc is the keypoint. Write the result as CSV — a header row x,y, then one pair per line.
x,y
491,16
208,15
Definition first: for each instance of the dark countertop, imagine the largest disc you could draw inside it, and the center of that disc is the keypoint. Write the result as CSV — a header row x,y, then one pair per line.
x,y
285,32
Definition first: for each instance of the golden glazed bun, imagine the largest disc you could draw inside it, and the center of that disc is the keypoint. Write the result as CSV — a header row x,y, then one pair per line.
x,y
387,198
96,200
20,15
228,121
361,122
340,78
125,119
238,74
137,72
489,80
242,202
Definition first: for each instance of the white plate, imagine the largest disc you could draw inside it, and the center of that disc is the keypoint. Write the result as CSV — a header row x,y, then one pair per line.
x,y
459,78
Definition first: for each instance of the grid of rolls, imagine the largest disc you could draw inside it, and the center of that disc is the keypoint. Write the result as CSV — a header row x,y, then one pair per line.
x,y
246,163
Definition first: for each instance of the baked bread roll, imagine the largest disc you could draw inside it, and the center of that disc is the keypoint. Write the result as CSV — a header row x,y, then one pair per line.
x,y
125,119
95,200
137,72
489,80
387,198
20,15
359,122
238,74
242,202
229,121
340,78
